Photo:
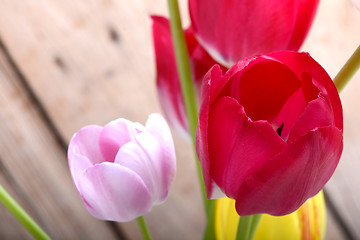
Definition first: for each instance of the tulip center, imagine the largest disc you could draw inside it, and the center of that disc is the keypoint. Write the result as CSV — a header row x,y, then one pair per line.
x,y
279,130
263,90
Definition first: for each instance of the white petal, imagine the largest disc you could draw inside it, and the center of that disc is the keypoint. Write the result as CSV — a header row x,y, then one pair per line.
x,y
113,192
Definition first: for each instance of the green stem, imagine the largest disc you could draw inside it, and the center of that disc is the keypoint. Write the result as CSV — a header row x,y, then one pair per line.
x,y
187,88
143,228
244,228
15,209
182,61
254,224
247,227
348,70
210,226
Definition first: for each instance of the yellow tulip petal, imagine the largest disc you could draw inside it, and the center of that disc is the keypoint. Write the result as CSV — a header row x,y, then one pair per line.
x,y
226,219
308,222
278,228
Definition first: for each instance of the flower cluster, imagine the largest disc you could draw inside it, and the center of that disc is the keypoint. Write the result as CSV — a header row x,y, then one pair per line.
x,y
223,32
269,132
270,126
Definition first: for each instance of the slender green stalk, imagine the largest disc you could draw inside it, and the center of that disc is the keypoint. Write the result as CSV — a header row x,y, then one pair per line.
x,y
207,203
16,210
143,228
187,88
244,228
182,61
254,224
348,70
247,227
209,230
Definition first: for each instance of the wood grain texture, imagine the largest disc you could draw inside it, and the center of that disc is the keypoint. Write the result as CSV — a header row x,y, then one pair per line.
x,y
10,228
332,39
89,62
33,167
333,232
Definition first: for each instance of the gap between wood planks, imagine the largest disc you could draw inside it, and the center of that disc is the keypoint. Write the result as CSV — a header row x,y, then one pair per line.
x,y
60,140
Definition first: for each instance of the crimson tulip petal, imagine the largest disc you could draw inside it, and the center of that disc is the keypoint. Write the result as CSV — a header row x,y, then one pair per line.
x,y
290,178
113,192
289,114
305,14
303,63
168,83
316,114
237,145
85,143
257,84
260,26
212,86
200,60
114,135
209,87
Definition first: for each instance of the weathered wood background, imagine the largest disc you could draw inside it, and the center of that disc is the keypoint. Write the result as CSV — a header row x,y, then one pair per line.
x,y
66,64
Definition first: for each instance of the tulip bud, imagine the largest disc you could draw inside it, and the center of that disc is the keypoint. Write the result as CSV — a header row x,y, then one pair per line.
x,y
308,222
167,79
232,30
270,132
123,169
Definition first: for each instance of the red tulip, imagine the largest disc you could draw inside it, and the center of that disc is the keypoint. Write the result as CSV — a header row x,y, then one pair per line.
x,y
269,132
168,83
231,30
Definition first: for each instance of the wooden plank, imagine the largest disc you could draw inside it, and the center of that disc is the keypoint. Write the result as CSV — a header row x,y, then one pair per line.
x,y
70,47
10,228
97,65
333,232
332,40
91,62
33,167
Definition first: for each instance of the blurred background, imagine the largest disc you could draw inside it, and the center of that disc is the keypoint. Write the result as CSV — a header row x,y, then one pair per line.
x,y
66,64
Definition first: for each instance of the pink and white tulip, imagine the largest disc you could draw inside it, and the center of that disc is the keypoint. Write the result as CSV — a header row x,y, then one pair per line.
x,y
270,132
231,30
122,169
